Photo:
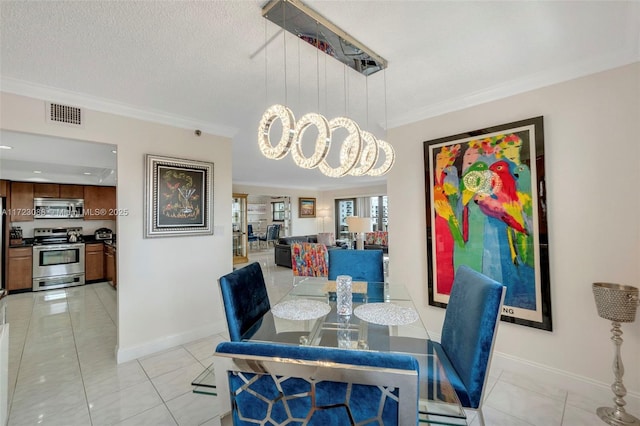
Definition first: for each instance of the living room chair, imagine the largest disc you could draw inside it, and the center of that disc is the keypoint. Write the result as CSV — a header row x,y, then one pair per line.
x,y
272,234
270,383
245,299
468,335
309,260
361,265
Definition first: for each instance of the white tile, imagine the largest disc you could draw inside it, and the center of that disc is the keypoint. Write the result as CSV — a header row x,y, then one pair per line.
x,y
493,417
175,383
51,416
524,404
164,362
156,416
204,348
194,409
47,401
106,381
578,417
117,406
531,384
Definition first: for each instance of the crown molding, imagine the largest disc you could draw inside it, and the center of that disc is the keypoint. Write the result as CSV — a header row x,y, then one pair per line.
x,y
526,84
47,93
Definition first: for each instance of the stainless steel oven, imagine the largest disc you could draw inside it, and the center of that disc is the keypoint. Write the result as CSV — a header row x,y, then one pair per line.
x,y
56,263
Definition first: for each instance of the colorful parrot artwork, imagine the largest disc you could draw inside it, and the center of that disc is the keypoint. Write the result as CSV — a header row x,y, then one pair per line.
x,y
484,215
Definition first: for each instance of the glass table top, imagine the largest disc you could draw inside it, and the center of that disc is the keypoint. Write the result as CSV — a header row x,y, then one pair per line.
x,y
438,402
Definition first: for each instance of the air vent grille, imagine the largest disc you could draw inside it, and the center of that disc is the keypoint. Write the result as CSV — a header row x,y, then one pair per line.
x,y
65,114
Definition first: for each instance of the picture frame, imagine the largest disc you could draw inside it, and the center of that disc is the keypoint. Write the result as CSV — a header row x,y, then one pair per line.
x,y
486,208
306,207
178,197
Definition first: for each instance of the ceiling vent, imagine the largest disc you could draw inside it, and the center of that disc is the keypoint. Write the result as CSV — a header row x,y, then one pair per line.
x,y
64,114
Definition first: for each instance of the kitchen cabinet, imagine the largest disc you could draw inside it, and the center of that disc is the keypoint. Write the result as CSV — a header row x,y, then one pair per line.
x,y
4,188
21,202
94,261
110,270
99,202
20,269
46,190
55,190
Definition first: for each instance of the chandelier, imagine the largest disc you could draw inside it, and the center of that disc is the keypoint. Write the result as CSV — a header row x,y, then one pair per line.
x,y
360,150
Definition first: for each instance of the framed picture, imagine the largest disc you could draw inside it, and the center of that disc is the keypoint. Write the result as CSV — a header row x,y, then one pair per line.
x,y
486,208
307,207
178,197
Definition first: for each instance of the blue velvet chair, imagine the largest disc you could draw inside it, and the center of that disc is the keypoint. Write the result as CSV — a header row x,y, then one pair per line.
x,y
251,237
271,383
468,334
244,295
361,265
272,234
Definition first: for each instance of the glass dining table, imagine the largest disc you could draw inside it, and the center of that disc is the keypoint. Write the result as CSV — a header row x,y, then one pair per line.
x,y
384,318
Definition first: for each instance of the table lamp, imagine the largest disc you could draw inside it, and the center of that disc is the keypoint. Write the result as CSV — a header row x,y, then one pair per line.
x,y
359,225
617,303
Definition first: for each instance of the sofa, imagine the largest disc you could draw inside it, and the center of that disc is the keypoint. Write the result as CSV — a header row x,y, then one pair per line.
x,y
378,240
282,250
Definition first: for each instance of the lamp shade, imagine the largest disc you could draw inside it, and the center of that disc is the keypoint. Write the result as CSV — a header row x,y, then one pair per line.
x,y
616,302
358,224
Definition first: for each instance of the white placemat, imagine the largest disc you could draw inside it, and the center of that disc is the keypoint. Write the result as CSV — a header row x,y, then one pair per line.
x,y
385,314
300,309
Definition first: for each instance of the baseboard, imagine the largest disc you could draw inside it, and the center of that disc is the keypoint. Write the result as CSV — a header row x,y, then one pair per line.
x,y
167,342
554,376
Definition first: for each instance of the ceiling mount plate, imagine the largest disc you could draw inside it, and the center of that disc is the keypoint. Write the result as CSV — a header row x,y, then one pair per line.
x,y
307,24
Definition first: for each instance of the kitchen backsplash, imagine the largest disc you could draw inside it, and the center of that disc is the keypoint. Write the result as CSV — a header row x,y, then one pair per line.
x,y
88,226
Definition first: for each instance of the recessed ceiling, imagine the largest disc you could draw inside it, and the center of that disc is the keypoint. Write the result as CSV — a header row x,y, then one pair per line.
x,y
217,65
38,158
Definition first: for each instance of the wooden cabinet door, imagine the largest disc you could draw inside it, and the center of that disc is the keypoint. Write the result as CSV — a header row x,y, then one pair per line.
x,y
46,190
110,266
71,191
99,202
4,188
94,262
20,269
21,202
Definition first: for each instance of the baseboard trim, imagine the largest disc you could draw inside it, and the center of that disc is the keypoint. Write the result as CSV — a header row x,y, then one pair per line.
x,y
167,342
554,376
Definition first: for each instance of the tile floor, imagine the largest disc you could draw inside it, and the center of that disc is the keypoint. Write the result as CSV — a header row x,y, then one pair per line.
x,y
62,370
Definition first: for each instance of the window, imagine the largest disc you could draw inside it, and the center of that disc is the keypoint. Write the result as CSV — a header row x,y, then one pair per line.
x,y
277,209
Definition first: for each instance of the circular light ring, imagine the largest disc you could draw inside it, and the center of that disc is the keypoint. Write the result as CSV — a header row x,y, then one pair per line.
x,y
323,142
350,151
390,158
369,155
273,113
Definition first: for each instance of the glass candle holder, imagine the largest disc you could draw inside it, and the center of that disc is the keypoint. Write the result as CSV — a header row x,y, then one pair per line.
x,y
344,299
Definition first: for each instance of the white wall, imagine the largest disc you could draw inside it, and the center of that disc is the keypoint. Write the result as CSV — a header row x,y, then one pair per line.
x,y
167,290
592,160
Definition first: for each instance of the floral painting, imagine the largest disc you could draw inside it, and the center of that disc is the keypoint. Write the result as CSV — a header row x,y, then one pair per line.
x,y
486,209
179,197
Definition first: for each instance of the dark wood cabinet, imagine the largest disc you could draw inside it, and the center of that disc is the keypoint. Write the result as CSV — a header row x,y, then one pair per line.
x,y
94,261
99,202
19,273
46,190
71,191
110,270
21,202
4,188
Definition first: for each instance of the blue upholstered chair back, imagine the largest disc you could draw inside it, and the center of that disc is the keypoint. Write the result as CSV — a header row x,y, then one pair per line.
x,y
244,295
250,235
361,265
468,332
273,383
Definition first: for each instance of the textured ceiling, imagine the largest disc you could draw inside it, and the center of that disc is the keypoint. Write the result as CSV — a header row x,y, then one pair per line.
x,y
204,64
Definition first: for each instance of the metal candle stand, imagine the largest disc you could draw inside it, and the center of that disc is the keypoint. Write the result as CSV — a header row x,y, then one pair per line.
x,y
617,303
